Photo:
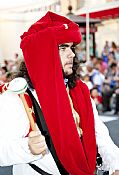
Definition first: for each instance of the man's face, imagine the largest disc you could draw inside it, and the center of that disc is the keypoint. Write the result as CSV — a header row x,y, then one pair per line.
x,y
66,56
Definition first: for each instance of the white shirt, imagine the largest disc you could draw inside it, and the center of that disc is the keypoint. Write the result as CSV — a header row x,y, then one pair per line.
x,y
14,150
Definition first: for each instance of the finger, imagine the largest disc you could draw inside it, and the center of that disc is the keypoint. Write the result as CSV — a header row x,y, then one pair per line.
x,y
36,139
43,153
41,144
34,133
38,142
36,150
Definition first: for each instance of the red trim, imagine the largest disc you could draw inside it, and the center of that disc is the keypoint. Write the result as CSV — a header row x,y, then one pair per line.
x,y
110,13
105,14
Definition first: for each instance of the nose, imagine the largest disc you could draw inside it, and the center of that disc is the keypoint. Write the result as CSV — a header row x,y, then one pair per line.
x,y
71,53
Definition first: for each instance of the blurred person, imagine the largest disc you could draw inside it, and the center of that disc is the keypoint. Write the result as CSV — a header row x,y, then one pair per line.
x,y
109,86
107,46
111,58
117,101
113,47
116,79
6,62
3,78
96,77
69,120
80,53
117,54
3,69
105,52
103,66
97,99
86,79
3,72
16,56
12,66
94,60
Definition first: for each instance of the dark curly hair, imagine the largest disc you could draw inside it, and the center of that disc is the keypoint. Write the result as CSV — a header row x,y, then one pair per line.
x,y
22,72
76,72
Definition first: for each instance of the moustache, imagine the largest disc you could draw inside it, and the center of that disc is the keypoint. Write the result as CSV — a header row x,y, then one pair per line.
x,y
67,63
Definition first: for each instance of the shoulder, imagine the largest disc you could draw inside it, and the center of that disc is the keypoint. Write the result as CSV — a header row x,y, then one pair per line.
x,y
78,82
11,95
2,88
82,84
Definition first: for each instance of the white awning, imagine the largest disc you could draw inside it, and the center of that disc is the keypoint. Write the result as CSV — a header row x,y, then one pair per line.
x,y
18,5
98,7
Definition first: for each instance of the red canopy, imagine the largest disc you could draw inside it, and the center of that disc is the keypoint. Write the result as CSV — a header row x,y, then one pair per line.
x,y
103,11
104,14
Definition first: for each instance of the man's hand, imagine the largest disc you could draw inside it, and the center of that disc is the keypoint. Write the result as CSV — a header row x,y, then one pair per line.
x,y
116,172
36,142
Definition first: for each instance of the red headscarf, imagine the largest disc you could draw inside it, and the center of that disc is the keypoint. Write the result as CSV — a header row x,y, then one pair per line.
x,y
40,50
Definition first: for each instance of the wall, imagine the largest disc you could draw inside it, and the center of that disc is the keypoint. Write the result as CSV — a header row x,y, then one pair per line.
x,y
10,31
108,31
11,28
12,25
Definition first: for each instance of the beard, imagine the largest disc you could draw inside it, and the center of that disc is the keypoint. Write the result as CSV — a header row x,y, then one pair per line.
x,y
66,75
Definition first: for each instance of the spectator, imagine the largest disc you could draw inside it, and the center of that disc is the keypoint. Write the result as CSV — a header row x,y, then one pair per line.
x,y
97,99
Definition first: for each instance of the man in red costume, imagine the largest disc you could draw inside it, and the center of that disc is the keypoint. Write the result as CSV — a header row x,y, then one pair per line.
x,y
70,124
40,49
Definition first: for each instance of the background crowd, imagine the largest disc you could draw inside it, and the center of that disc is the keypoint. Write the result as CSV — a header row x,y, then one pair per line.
x,y
101,74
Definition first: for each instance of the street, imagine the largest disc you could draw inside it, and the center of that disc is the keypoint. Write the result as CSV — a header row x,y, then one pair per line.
x,y
112,122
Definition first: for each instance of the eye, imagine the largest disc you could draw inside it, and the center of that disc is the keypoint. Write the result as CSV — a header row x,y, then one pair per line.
x,y
73,47
62,48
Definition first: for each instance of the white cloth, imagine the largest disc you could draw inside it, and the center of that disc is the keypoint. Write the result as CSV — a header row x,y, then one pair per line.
x,y
106,147
14,126
14,150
